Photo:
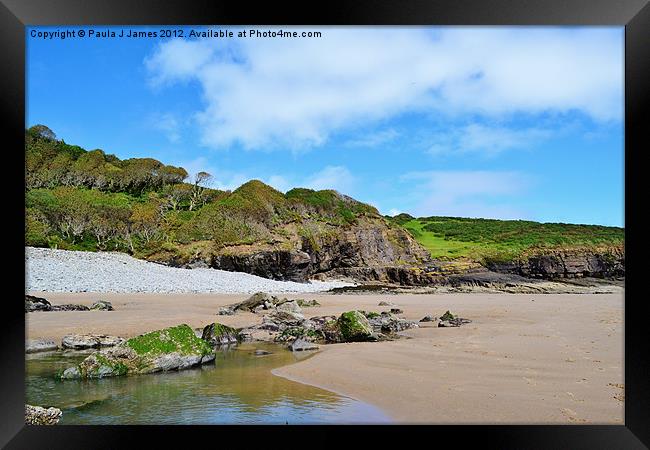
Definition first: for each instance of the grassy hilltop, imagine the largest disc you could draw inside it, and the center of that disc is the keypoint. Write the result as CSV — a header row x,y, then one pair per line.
x,y
88,200
490,239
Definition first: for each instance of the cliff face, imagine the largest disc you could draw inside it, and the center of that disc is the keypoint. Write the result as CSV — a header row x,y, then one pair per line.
x,y
567,264
370,244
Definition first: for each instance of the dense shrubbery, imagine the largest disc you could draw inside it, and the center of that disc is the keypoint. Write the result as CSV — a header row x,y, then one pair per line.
x,y
78,199
51,162
522,232
454,237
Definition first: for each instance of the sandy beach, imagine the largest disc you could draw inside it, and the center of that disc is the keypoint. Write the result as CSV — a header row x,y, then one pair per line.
x,y
553,359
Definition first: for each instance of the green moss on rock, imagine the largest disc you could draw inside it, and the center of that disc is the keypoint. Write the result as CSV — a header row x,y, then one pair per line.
x,y
447,316
354,327
180,339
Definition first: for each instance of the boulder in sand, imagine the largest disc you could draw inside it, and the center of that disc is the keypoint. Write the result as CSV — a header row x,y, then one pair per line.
x,y
102,305
354,327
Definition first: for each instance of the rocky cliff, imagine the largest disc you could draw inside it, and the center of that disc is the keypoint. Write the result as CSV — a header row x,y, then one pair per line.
x,y
371,244
609,262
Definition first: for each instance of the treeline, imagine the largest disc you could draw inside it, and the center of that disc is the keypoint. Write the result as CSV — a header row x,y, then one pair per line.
x,y
51,162
83,200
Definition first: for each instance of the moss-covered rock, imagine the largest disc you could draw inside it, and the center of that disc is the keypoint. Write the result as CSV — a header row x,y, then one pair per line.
x,y
447,316
354,327
219,334
173,348
369,314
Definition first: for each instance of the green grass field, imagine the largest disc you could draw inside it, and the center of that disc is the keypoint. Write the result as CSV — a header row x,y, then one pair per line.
x,y
480,239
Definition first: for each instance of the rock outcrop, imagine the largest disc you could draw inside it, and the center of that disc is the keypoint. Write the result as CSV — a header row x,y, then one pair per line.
x,y
37,415
174,348
356,250
33,303
566,264
86,341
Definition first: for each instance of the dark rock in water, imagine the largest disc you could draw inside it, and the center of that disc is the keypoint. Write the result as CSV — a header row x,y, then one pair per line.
x,y
218,334
354,327
428,319
387,323
37,415
69,307
36,304
385,303
85,341
300,345
259,352
102,305
174,348
396,311
40,345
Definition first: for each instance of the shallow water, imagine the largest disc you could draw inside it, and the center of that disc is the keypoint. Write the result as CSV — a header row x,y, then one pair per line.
x,y
238,389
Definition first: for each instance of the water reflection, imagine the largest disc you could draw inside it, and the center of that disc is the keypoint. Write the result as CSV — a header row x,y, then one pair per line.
x,y
239,388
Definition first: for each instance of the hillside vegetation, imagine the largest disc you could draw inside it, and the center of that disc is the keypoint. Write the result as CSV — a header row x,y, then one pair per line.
x,y
490,239
88,200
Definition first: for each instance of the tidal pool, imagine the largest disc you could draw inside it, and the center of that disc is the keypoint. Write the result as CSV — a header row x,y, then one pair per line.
x,y
237,389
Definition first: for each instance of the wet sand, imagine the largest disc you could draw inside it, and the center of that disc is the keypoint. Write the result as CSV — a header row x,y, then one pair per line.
x,y
554,359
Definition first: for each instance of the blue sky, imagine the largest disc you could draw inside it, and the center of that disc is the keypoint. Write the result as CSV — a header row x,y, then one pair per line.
x,y
523,123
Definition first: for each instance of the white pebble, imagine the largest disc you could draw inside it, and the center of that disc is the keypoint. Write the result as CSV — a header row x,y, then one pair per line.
x,y
52,270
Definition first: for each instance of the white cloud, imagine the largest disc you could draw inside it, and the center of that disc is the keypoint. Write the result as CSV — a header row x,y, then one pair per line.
x,y
279,182
168,125
467,193
338,178
373,139
394,212
295,93
487,140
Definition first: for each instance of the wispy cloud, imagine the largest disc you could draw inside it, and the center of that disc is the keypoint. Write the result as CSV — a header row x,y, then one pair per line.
x,y
332,177
167,124
296,93
338,178
373,139
467,193
487,140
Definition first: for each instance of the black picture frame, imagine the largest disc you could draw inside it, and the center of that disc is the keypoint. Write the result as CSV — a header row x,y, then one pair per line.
x,y
633,14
